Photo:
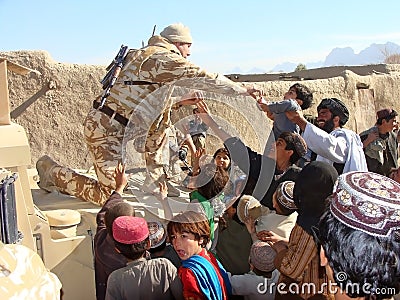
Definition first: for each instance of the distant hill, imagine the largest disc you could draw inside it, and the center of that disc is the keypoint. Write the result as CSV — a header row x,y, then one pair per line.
x,y
374,54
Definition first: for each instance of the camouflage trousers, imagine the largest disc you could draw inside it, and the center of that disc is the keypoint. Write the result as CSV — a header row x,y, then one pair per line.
x,y
104,139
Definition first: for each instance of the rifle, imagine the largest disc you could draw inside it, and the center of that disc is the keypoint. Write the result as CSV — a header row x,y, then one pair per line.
x,y
113,71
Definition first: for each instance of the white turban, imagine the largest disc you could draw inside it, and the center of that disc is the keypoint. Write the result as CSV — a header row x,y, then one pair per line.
x,y
177,33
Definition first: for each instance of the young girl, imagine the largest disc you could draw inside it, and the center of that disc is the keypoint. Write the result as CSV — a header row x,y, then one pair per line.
x,y
208,196
202,276
222,158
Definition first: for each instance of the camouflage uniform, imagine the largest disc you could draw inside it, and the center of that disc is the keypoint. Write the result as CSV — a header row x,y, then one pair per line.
x,y
159,64
24,276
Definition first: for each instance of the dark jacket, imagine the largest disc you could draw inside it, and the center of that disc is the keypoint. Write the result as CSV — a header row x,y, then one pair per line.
x,y
263,177
390,155
106,258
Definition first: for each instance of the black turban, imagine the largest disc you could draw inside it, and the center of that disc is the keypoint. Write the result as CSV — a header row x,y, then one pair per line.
x,y
337,108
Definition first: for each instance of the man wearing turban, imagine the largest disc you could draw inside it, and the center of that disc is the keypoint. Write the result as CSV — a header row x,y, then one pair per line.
x,y
332,143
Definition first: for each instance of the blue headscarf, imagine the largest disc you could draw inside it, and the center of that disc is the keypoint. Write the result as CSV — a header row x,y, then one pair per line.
x,y
207,277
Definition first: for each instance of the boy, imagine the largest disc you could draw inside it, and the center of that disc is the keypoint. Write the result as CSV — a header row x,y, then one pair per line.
x,y
158,243
260,282
106,259
272,224
203,277
142,278
298,97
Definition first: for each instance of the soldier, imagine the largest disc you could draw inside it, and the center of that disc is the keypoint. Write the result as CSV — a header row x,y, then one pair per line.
x,y
162,62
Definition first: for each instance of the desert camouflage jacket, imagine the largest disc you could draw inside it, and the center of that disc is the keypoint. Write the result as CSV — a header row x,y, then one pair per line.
x,y
157,65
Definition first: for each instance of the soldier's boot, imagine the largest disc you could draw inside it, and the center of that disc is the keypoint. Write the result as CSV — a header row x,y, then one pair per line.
x,y
44,165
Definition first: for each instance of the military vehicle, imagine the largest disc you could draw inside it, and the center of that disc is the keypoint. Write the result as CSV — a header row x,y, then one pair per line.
x,y
60,228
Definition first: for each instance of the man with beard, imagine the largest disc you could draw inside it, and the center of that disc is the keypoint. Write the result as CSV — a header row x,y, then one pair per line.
x,y
331,143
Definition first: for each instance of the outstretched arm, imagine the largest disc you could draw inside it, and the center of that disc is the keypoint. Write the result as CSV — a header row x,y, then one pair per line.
x,y
270,236
208,120
162,197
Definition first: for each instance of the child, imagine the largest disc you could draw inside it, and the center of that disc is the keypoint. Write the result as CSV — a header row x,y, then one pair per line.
x,y
234,241
106,259
158,243
260,282
207,198
141,278
298,97
203,277
222,158
272,224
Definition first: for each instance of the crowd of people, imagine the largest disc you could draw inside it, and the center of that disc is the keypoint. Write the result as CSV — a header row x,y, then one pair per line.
x,y
316,216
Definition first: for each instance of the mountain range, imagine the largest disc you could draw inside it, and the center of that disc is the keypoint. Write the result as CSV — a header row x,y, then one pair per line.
x,y
374,54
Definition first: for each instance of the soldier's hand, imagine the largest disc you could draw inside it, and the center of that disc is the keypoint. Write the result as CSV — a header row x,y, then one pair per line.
x,y
254,91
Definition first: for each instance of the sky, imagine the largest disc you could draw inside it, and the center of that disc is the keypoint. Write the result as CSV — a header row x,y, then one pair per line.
x,y
228,35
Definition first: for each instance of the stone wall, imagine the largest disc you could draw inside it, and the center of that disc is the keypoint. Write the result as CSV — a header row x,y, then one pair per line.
x,y
52,107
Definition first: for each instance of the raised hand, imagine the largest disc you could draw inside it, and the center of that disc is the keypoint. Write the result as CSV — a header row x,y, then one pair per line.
x,y
121,179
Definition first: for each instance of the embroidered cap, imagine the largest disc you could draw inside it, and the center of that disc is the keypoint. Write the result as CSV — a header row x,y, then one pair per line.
x,y
130,230
284,194
262,256
368,202
157,233
248,206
